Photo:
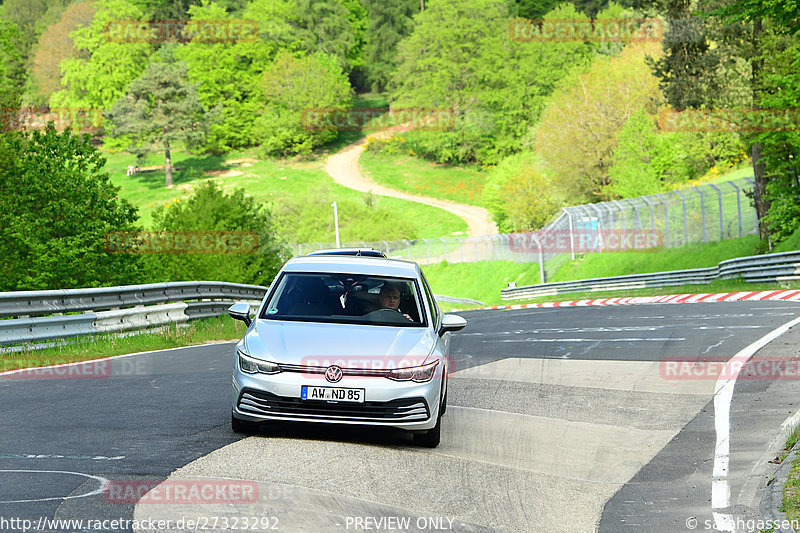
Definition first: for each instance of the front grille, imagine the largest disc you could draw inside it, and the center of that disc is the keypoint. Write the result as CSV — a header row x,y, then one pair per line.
x,y
305,369
265,403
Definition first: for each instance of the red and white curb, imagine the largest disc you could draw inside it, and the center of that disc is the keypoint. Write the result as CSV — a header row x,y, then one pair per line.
x,y
783,295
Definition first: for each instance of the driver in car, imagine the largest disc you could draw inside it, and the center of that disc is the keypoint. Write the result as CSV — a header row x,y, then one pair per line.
x,y
389,297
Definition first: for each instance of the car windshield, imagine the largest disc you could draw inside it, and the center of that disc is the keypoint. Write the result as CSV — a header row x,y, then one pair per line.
x,y
346,298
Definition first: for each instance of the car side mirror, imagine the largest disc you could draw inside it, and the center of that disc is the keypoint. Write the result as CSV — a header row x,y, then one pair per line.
x,y
241,311
452,322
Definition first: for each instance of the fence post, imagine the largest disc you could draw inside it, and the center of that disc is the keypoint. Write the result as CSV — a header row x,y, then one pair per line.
x,y
638,216
408,248
571,231
702,212
755,211
444,247
461,249
685,223
541,258
721,222
738,205
652,216
427,251
666,217
621,212
599,216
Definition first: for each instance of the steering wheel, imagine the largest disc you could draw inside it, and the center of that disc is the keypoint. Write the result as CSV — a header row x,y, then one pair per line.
x,y
387,315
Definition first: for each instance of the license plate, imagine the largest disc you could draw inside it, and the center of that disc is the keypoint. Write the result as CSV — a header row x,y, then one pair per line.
x,y
334,394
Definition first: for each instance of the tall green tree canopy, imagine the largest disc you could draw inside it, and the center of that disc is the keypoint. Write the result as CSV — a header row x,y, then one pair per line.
x,y
162,108
105,66
211,209
387,24
57,206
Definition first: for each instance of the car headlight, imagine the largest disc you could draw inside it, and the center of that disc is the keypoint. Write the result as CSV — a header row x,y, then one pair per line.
x,y
418,374
250,365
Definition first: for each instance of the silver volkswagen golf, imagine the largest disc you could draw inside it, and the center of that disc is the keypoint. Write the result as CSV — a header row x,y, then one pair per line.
x,y
348,338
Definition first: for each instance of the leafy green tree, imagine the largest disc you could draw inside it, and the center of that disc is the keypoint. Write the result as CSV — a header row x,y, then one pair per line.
x,y
57,207
11,75
105,67
387,24
55,45
293,88
229,74
518,195
325,26
161,107
357,17
578,130
210,209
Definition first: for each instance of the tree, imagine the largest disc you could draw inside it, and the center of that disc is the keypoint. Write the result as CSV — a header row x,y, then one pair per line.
x,y
229,74
387,24
57,207
11,75
293,87
518,195
255,253
324,26
55,45
578,130
161,107
105,67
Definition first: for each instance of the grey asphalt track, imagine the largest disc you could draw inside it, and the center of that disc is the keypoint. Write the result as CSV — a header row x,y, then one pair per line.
x,y
143,421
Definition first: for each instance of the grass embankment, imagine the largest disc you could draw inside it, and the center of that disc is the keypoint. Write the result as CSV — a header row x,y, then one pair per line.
x,y
221,328
791,489
482,281
425,178
276,183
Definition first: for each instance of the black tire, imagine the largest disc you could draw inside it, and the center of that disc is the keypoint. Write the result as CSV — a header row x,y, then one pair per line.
x,y
431,438
243,426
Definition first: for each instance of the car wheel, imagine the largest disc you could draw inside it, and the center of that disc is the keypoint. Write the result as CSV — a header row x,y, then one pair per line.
x,y
243,426
443,408
430,439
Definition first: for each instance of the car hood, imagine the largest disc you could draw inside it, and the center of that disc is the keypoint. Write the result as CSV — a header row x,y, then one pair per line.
x,y
348,345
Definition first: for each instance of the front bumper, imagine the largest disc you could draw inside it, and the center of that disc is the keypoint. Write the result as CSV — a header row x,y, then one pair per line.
x,y
404,405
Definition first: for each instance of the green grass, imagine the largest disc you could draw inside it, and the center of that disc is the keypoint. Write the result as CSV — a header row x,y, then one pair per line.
x,y
221,328
422,177
696,255
480,281
274,182
791,489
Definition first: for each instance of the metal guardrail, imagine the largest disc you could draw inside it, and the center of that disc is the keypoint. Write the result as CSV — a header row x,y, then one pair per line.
x,y
767,268
33,317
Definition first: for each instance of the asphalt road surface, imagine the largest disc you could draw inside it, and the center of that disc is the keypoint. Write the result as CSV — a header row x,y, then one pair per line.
x,y
561,419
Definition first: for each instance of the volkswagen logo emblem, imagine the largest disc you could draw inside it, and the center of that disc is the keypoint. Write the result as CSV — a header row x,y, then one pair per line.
x,y
333,374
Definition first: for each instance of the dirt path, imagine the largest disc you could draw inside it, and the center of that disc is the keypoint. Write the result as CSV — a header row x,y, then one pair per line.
x,y
344,169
